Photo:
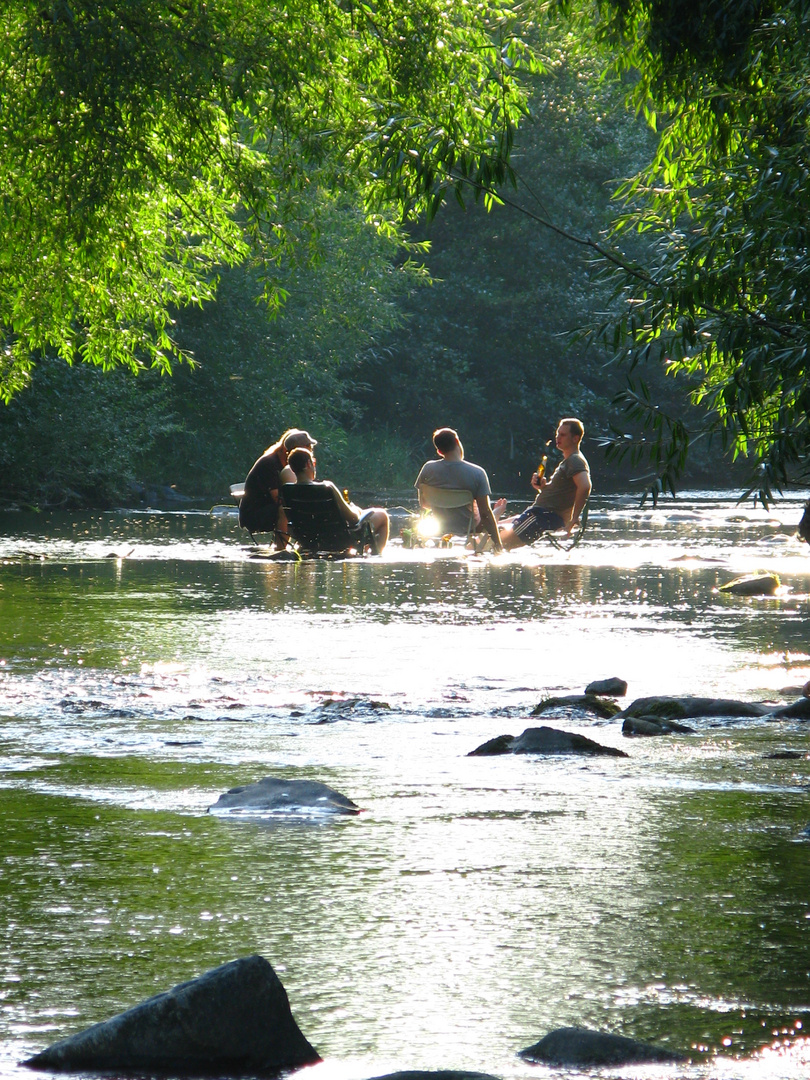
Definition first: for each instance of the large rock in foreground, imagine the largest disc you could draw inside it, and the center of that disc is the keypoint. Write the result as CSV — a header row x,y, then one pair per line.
x,y
583,1047
274,795
233,1020
545,740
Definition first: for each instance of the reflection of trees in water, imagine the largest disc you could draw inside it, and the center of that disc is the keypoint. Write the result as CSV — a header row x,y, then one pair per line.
x,y
456,590
726,913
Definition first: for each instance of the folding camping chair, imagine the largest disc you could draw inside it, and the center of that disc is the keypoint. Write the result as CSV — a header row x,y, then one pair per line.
x,y
568,545
433,498
317,527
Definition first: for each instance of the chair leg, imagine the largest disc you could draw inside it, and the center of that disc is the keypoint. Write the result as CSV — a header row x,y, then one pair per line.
x,y
480,543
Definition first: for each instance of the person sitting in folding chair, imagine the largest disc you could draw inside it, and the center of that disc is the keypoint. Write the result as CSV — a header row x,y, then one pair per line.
x,y
359,523
561,499
451,471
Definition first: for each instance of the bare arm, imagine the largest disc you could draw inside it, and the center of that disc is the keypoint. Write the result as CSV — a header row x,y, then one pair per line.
x,y
348,511
488,521
582,482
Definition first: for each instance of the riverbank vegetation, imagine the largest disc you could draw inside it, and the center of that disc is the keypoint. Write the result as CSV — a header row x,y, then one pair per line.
x,y
292,241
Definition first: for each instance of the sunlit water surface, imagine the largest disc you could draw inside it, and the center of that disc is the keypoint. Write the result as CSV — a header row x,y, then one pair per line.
x,y
147,664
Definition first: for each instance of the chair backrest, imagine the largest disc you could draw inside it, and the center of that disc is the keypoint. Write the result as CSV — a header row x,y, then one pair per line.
x,y
313,519
452,508
431,497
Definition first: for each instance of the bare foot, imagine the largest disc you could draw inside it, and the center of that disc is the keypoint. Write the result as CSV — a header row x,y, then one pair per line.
x,y
498,508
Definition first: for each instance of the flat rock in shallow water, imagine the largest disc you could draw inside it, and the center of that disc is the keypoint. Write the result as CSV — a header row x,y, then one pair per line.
x,y
233,1020
650,725
684,708
583,1047
587,702
545,740
274,795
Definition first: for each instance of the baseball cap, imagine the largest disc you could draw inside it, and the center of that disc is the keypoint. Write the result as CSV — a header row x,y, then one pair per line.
x,y
296,437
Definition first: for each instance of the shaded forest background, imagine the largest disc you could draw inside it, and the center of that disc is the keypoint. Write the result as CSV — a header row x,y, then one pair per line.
x,y
482,331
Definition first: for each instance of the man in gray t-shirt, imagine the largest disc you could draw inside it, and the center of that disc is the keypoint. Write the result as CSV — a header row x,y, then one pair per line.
x,y
561,499
450,470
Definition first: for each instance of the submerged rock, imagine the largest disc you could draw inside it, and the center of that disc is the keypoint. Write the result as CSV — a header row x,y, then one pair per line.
x,y
753,585
233,1020
274,795
685,708
545,740
651,725
583,1047
588,702
609,687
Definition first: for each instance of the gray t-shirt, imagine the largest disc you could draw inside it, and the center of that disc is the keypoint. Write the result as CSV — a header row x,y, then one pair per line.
x,y
463,475
560,492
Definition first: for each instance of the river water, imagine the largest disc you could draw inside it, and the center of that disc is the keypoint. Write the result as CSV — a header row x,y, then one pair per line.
x,y
147,664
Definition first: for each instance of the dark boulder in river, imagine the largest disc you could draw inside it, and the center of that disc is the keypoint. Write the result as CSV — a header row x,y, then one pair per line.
x,y
501,744
685,708
274,795
545,740
797,710
233,1020
610,687
583,1047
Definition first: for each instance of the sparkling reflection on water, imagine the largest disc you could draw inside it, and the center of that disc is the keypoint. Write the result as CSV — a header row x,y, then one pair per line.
x,y
147,664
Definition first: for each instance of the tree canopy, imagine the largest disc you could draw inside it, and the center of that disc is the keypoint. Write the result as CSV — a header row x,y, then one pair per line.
x,y
145,143
721,300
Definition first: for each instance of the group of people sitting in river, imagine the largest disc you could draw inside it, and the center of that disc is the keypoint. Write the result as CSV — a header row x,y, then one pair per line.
x,y
558,503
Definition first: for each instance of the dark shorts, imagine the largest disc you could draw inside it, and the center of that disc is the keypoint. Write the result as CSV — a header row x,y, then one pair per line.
x,y
533,522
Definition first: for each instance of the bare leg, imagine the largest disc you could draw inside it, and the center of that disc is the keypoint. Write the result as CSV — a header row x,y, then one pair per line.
x,y
509,539
282,531
380,524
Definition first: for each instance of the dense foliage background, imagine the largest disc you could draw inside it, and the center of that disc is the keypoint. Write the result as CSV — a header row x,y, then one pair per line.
x,y
369,352
302,255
